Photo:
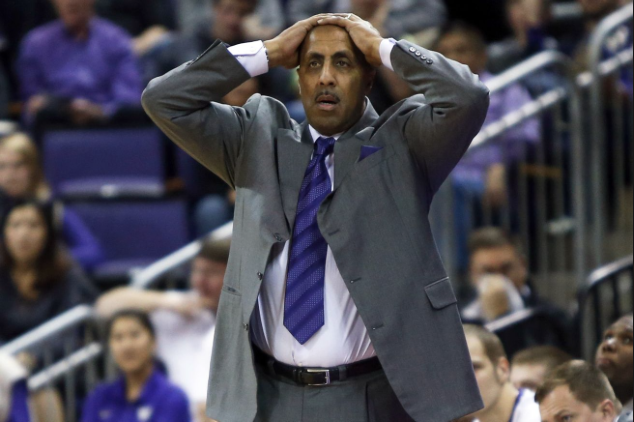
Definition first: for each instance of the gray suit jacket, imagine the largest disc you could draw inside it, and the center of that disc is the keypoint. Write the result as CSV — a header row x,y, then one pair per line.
x,y
375,220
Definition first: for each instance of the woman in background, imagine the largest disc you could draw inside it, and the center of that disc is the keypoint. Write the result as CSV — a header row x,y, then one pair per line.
x,y
22,177
143,392
37,278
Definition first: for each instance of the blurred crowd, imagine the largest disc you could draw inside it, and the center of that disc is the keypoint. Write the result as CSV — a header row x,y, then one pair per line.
x,y
84,63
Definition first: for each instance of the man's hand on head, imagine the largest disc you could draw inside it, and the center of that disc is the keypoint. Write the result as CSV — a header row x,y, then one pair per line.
x,y
283,50
363,34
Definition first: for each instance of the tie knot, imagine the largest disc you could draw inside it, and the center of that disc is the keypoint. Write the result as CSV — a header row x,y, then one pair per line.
x,y
324,146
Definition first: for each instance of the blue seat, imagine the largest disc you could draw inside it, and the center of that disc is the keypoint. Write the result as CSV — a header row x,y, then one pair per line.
x,y
134,234
105,162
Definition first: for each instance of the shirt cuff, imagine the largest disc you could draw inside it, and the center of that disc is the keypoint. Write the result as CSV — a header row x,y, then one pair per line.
x,y
386,52
252,56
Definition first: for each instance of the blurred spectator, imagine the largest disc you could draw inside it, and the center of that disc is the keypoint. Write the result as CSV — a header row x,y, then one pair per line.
x,y
13,391
393,18
502,401
184,321
37,280
530,367
142,393
484,170
266,21
528,20
615,357
22,177
499,275
227,23
148,21
577,391
79,69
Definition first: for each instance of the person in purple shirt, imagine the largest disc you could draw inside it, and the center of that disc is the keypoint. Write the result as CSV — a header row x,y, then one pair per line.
x,y
481,179
143,392
80,68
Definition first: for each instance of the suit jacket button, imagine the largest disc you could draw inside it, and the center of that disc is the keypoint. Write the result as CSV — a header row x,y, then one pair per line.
x,y
412,50
278,237
260,276
246,327
430,62
418,53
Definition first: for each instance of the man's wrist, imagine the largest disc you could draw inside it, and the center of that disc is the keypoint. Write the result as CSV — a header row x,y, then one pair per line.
x,y
272,53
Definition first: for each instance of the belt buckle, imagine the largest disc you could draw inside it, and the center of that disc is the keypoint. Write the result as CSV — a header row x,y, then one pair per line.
x,y
326,373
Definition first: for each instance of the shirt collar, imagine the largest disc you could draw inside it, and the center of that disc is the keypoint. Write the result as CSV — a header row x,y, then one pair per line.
x,y
150,388
316,135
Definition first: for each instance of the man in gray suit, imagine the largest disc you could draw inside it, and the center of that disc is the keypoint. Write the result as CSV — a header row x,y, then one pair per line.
x,y
336,305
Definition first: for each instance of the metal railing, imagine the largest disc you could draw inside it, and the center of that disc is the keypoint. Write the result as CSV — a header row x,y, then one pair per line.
x,y
539,201
608,109
531,327
606,296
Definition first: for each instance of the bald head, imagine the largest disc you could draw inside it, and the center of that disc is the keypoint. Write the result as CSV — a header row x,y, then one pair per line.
x,y
334,79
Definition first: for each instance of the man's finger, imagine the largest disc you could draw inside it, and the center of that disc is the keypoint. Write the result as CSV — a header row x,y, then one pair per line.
x,y
339,21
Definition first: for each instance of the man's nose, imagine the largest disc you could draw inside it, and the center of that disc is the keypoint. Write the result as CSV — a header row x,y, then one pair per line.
x,y
609,345
327,77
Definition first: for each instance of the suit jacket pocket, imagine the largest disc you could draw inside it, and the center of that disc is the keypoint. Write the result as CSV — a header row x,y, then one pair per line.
x,y
441,294
373,159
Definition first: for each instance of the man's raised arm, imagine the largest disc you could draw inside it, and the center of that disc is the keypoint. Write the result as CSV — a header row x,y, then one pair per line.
x,y
439,127
185,103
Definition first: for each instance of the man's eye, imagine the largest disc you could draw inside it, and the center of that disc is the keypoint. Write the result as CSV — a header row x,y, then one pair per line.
x,y
313,64
628,341
342,63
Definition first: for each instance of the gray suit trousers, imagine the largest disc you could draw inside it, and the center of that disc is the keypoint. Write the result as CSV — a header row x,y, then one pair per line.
x,y
367,398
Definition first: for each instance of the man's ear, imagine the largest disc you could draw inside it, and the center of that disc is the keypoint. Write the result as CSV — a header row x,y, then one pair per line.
x,y
608,410
503,370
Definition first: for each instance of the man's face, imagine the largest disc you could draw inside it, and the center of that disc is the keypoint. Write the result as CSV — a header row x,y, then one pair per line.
x,y
615,355
503,261
229,16
207,279
598,8
562,406
527,376
75,14
491,378
457,46
334,80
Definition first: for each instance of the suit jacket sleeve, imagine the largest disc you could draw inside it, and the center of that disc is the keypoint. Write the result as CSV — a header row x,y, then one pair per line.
x,y
184,103
440,126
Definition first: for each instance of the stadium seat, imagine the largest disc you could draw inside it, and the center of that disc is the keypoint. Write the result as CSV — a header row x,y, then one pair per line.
x,y
134,234
105,162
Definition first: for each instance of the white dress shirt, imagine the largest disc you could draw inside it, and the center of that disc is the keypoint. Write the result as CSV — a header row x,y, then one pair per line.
x,y
344,338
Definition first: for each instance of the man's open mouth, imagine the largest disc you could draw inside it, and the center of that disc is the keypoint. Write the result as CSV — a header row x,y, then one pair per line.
x,y
327,102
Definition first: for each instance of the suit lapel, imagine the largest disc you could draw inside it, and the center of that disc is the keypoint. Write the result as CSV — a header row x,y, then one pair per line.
x,y
348,147
294,150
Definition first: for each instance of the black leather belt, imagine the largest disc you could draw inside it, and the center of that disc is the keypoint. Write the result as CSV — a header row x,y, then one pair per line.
x,y
316,376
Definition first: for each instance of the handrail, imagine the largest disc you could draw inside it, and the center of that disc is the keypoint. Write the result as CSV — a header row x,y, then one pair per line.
x,y
600,274
523,70
145,278
58,370
544,60
512,319
603,30
49,329
597,142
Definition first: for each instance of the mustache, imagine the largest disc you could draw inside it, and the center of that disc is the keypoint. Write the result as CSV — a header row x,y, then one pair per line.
x,y
327,93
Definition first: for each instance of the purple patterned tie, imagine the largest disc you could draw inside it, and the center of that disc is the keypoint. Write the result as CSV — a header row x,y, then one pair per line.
x,y
304,299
